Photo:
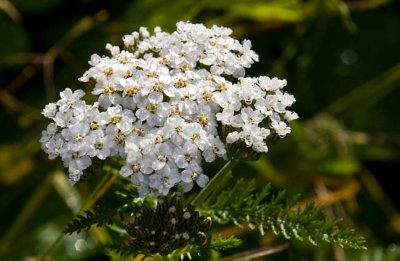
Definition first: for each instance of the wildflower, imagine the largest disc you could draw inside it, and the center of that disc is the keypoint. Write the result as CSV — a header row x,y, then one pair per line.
x,y
166,102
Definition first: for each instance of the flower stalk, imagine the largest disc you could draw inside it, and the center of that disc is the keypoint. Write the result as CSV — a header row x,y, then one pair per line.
x,y
102,187
214,183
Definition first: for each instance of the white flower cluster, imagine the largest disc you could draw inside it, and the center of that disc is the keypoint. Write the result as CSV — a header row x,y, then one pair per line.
x,y
162,102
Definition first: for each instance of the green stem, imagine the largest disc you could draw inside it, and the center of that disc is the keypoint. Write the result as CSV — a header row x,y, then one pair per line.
x,y
29,208
214,183
97,193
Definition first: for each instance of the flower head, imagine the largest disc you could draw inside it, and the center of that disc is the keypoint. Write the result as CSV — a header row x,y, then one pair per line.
x,y
166,102
167,227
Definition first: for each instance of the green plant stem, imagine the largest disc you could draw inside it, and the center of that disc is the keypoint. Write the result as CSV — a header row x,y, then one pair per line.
x,y
101,188
195,10
29,208
214,183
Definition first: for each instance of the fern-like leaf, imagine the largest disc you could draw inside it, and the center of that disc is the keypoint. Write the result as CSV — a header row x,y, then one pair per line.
x,y
273,211
87,220
220,243
120,199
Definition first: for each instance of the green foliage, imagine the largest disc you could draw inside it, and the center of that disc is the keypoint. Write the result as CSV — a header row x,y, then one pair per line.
x,y
390,253
146,226
217,244
121,199
90,218
168,226
135,223
220,243
266,210
121,248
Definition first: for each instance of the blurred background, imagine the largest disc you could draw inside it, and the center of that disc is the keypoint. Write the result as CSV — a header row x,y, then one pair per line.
x,y
342,63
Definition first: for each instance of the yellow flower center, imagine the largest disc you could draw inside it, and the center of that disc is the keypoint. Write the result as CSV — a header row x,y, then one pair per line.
x,y
116,118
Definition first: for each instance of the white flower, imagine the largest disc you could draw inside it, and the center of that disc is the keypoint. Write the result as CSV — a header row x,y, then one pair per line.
x,y
228,100
226,117
77,138
196,135
247,116
269,84
161,155
100,144
142,181
290,116
164,180
69,98
217,149
186,155
76,165
280,128
52,145
247,55
50,110
121,118
193,175
152,110
114,50
108,92
163,102
175,126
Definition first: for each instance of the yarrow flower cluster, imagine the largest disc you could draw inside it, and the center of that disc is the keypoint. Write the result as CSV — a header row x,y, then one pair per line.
x,y
162,102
